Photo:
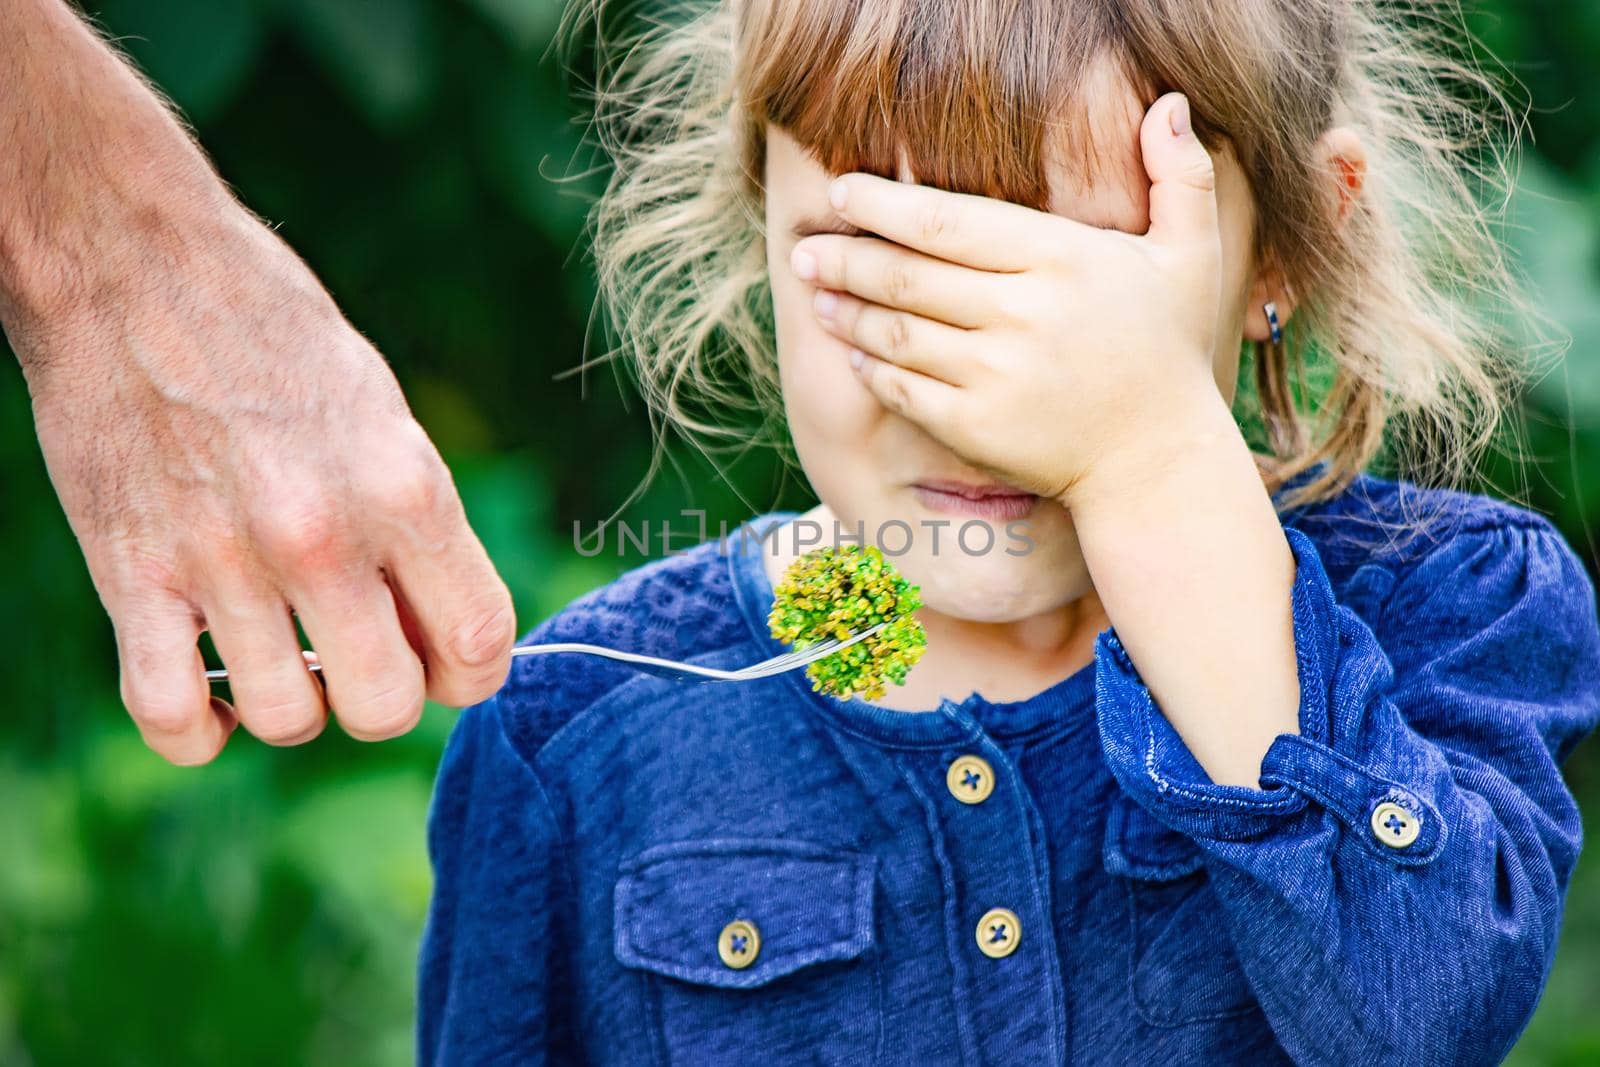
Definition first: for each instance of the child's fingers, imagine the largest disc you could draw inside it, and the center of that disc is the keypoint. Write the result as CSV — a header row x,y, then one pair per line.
x,y
926,401
910,341
977,231
1183,199
898,277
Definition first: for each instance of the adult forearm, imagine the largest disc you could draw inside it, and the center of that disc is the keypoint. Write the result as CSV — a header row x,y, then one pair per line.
x,y
94,166
231,453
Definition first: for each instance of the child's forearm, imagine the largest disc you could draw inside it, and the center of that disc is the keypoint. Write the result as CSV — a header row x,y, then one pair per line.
x,y
1190,561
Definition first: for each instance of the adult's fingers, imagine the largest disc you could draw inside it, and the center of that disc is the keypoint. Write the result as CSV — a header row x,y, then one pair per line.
x,y
274,695
373,678
463,614
162,679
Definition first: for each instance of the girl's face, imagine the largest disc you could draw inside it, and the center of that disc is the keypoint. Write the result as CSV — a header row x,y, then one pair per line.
x,y
999,559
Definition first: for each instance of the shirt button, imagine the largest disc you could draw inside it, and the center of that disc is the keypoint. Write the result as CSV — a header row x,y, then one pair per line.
x,y
739,944
1394,825
998,933
970,779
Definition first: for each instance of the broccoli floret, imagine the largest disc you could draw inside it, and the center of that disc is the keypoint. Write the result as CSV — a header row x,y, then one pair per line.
x,y
838,591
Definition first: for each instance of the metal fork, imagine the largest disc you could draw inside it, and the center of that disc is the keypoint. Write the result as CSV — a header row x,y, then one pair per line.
x,y
787,661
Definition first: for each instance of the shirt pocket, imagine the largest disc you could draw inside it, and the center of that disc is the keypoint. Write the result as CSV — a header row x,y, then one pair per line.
x,y
796,921
1182,966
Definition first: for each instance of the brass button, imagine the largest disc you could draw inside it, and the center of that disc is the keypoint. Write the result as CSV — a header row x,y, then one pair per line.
x,y
739,943
998,932
1394,825
970,779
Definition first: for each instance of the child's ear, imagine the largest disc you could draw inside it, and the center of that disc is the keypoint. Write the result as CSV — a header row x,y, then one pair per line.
x,y
1344,162
1268,284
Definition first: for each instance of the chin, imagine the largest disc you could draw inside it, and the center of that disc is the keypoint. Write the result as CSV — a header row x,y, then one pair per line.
x,y
994,588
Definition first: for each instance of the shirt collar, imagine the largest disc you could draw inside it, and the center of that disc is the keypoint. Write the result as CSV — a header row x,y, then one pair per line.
x,y
1068,700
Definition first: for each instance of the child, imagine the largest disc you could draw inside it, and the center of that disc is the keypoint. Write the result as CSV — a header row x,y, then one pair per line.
x,y
1213,756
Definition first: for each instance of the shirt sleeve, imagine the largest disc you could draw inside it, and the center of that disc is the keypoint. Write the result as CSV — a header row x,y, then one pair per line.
x,y
492,984
1395,889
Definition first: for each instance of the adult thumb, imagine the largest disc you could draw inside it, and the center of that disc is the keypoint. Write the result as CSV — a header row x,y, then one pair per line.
x,y
1183,199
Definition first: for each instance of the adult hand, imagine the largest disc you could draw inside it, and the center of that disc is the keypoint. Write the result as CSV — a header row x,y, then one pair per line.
x,y
1034,346
230,452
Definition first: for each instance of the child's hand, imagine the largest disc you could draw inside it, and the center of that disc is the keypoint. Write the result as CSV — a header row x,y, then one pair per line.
x,y
1036,347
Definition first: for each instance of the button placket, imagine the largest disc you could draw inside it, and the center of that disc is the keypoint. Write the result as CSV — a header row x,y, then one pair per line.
x,y
999,933
987,829
970,778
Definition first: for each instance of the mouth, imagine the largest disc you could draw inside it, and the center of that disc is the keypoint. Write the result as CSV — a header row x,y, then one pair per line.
x,y
989,500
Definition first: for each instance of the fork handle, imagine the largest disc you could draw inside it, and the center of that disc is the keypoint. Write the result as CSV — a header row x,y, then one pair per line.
x,y
650,664
654,664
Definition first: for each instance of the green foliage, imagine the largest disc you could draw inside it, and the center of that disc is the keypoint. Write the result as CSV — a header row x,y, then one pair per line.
x,y
266,908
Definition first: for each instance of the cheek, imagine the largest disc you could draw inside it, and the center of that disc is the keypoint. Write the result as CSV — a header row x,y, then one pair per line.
x,y
1233,299
1234,222
823,400
1236,279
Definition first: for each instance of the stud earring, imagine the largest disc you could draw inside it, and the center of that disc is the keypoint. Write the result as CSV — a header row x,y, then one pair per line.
x,y
1273,327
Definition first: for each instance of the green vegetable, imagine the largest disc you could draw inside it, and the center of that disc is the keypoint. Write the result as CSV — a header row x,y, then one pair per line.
x,y
839,591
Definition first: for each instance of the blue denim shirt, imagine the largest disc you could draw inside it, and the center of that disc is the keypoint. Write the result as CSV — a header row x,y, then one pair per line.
x,y
596,830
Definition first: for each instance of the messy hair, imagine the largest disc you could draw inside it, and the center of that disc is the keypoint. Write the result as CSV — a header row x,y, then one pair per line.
x,y
1408,314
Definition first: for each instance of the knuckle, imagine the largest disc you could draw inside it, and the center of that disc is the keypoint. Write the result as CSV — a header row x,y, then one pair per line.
x,y
1017,305
156,711
932,222
1049,254
892,392
137,568
387,711
304,531
142,661
897,282
897,337
407,491
1057,249
287,721
225,544
486,639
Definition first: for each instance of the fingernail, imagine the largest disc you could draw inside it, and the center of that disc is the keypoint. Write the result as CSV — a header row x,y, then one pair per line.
x,y
1179,117
804,264
837,193
224,712
826,303
857,357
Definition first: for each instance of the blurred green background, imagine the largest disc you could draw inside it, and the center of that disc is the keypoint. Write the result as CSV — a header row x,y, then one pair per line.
x,y
266,908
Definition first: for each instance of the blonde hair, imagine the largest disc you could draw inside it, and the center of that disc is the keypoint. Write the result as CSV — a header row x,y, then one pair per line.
x,y
1407,315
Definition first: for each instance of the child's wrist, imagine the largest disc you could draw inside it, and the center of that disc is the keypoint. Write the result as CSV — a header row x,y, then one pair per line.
x,y
1184,434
